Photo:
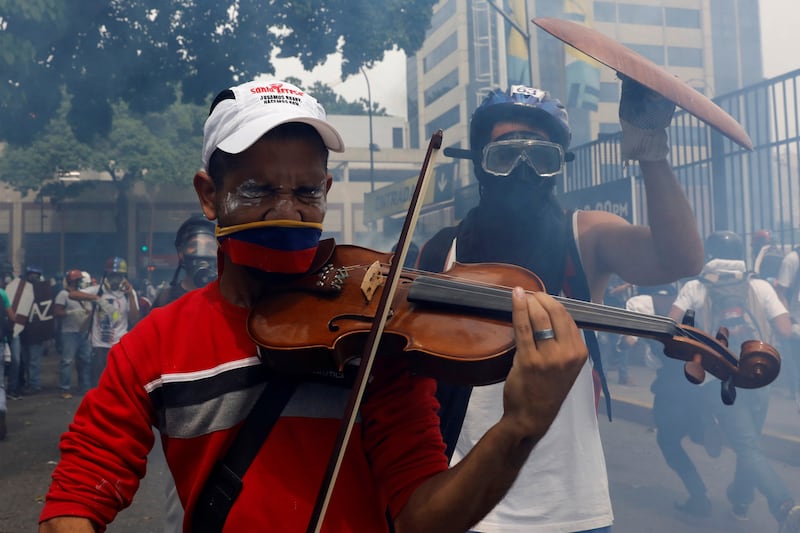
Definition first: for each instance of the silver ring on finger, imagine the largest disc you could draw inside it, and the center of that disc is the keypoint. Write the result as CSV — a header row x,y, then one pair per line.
x,y
544,334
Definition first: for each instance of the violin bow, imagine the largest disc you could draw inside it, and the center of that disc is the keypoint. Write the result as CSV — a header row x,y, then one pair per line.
x,y
375,333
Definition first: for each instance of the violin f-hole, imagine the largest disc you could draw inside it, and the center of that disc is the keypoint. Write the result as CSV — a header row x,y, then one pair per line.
x,y
351,316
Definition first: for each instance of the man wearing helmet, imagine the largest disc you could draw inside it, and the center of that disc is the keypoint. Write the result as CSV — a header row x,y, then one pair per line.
x,y
196,245
116,310
725,295
518,145
76,350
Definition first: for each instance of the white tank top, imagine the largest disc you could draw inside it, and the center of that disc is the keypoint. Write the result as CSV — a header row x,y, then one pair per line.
x,y
563,487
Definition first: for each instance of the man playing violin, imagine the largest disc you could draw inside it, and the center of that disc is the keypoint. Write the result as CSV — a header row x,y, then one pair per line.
x,y
518,145
190,369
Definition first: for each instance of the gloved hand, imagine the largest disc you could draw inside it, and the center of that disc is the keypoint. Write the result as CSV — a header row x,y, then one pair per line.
x,y
644,116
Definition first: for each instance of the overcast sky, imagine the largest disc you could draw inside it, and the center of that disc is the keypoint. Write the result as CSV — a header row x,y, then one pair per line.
x,y
780,23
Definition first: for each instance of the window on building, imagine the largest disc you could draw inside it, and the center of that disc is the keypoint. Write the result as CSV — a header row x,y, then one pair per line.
x,y
449,118
444,14
638,14
654,53
609,91
682,18
605,11
441,87
397,137
680,56
448,46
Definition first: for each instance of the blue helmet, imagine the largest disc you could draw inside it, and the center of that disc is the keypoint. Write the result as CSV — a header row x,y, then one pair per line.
x,y
520,104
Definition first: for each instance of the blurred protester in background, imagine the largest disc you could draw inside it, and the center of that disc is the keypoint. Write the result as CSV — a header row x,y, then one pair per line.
x,y
20,293
680,408
724,295
787,285
6,330
39,329
196,245
115,311
616,294
76,351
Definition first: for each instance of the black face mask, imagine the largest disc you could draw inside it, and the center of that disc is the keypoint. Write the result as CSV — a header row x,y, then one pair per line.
x,y
521,194
202,270
518,221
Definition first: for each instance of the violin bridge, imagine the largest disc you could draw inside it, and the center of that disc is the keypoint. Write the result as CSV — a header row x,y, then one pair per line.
x,y
373,278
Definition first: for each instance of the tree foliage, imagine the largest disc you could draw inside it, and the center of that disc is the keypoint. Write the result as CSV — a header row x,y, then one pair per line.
x,y
146,52
335,104
156,148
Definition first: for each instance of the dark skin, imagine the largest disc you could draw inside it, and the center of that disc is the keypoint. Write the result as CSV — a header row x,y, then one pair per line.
x,y
286,178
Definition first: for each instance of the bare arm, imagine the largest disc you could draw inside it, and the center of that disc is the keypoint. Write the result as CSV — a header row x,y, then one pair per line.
x,y
83,296
133,304
668,249
783,294
67,524
540,378
676,314
782,324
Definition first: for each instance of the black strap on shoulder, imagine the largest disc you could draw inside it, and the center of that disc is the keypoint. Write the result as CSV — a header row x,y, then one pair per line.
x,y
225,481
453,399
434,252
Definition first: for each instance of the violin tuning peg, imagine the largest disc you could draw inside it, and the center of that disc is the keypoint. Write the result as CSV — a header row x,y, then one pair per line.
x,y
722,336
694,371
728,391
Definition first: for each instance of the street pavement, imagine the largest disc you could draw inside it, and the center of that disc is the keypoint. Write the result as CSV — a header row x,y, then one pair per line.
x,y
643,489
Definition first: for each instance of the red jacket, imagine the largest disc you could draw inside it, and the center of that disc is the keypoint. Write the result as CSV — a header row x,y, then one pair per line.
x,y
190,370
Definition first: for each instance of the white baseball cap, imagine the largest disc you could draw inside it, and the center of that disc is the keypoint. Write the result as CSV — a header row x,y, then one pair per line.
x,y
256,107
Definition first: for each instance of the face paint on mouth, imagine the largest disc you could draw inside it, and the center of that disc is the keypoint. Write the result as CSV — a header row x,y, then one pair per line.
x,y
272,246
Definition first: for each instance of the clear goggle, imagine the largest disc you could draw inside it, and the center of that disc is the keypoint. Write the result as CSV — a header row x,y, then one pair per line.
x,y
500,158
202,245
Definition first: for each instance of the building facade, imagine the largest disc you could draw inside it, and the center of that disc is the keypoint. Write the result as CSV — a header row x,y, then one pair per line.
x,y
474,46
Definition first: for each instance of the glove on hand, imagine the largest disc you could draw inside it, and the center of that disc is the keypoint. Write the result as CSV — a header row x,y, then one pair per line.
x,y
644,116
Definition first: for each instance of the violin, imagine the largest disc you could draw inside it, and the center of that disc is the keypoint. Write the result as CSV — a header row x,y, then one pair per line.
x,y
456,326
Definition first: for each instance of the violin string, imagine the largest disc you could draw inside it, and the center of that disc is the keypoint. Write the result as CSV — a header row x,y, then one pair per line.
x,y
620,318
614,316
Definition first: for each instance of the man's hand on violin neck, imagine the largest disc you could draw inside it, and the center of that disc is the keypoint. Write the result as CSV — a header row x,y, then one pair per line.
x,y
544,370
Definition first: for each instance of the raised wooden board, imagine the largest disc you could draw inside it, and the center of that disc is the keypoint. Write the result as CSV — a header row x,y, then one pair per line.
x,y
625,61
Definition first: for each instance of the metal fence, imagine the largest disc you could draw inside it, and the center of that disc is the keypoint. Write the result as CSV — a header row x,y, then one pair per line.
x,y
729,187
